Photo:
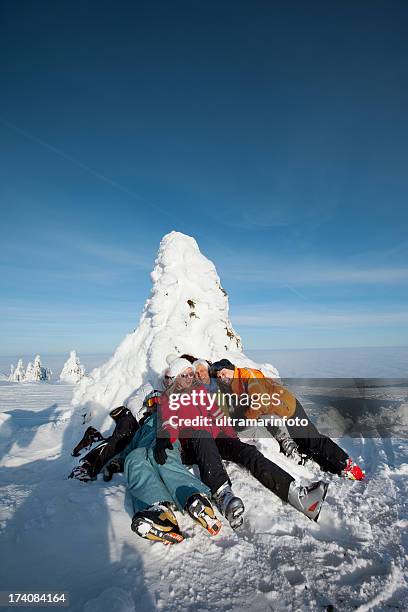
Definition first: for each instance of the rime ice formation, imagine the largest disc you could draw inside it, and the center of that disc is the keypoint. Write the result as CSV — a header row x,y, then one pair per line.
x,y
187,312
17,374
36,372
73,371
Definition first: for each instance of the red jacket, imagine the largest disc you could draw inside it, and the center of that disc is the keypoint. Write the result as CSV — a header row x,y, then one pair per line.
x,y
173,419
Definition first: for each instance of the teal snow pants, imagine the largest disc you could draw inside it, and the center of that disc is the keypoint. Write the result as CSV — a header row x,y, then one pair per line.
x,y
149,482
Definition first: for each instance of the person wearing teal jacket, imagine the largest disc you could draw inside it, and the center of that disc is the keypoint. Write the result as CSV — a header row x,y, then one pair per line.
x,y
155,488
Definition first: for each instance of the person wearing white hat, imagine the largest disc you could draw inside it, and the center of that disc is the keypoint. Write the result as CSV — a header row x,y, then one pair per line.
x,y
177,367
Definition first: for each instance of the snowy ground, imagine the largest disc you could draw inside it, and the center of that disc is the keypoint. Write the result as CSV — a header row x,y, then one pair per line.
x,y
59,534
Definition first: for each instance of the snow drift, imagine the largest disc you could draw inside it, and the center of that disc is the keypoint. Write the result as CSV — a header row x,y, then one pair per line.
x,y
187,312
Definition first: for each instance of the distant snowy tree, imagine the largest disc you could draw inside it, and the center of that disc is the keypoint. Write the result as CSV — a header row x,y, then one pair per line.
x,y
17,374
29,374
73,370
36,372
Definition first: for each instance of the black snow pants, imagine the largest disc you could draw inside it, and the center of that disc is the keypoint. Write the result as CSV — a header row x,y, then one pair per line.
x,y
315,445
207,453
125,428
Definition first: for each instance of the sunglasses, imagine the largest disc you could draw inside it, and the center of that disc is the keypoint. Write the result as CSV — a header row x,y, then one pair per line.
x,y
191,375
167,377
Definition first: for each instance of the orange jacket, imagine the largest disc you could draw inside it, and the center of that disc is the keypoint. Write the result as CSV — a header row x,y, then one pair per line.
x,y
282,402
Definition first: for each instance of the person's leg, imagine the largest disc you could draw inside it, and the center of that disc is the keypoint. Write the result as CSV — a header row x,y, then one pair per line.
x,y
153,517
178,480
190,493
143,481
264,470
204,452
125,428
287,444
315,445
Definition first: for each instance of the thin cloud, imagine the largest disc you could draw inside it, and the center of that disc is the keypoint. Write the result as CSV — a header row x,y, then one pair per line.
x,y
14,311
314,274
75,161
253,316
116,255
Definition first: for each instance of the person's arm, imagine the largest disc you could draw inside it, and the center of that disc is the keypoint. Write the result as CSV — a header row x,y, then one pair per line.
x,y
287,401
164,423
216,412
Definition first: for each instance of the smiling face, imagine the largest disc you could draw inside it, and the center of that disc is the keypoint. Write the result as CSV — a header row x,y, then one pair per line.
x,y
201,373
185,378
167,379
225,375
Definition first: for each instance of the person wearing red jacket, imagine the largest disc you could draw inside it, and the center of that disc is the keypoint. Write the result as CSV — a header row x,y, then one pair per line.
x,y
188,412
314,445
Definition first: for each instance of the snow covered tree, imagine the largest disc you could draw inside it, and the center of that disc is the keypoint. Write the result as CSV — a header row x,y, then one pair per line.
x,y
73,370
29,375
36,372
17,374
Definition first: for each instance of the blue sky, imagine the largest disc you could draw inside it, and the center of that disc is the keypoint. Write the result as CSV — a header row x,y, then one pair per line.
x,y
275,133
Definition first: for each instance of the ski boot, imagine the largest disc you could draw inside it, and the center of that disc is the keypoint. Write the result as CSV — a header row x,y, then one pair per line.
x,y
157,523
201,510
115,466
288,446
230,506
90,436
352,471
308,499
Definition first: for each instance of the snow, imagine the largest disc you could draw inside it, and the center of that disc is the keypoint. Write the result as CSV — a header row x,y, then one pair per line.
x,y
35,372
72,371
356,556
59,534
17,374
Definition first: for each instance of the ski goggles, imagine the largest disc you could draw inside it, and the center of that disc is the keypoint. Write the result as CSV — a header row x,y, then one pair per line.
x,y
152,401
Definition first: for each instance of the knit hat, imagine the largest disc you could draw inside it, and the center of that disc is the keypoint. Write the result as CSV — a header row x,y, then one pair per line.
x,y
201,362
221,364
178,365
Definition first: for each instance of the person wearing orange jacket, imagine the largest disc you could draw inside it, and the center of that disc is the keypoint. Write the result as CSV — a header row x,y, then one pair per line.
x,y
278,401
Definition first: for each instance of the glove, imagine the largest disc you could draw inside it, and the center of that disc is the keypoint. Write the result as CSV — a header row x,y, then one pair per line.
x,y
159,451
116,466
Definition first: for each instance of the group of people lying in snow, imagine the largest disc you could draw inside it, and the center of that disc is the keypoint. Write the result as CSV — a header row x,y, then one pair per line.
x,y
154,451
